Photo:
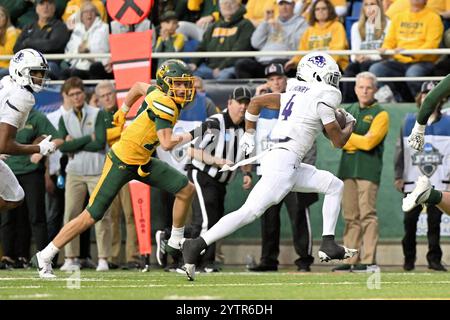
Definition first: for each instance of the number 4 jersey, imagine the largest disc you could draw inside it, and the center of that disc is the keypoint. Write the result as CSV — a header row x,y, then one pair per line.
x,y
304,109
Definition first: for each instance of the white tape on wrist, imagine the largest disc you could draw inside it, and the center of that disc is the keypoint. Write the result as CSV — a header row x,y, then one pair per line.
x,y
251,117
125,108
420,128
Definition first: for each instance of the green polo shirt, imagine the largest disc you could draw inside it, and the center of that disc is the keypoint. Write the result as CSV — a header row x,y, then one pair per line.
x,y
37,125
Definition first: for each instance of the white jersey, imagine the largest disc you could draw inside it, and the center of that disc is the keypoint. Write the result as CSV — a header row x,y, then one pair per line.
x,y
16,103
304,109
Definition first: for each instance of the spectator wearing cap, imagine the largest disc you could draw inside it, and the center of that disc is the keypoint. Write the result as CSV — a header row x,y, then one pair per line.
x,y
297,204
273,34
91,35
46,34
231,33
219,145
360,168
169,39
409,165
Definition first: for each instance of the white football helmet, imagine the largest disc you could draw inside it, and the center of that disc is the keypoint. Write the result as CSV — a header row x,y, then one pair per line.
x,y
25,61
319,67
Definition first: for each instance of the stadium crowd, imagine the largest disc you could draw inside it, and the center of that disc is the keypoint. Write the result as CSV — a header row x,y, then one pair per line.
x,y
83,26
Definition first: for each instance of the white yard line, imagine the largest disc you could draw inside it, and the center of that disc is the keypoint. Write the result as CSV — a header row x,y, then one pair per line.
x,y
30,296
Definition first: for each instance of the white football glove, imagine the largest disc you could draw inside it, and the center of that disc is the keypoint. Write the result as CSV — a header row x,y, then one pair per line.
x,y
416,139
349,117
247,143
46,146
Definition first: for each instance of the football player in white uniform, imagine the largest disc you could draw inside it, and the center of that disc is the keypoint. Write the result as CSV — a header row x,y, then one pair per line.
x,y
27,74
307,107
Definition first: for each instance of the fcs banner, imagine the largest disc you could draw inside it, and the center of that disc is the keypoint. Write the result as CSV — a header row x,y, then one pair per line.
x,y
140,198
131,55
422,226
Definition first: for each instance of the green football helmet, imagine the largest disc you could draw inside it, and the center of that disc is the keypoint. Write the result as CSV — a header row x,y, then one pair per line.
x,y
175,79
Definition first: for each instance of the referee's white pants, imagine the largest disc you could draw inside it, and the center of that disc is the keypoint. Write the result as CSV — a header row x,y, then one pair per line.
x,y
282,173
10,189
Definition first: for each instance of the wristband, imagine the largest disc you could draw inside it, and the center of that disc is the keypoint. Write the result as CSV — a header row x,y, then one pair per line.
x,y
248,174
125,108
251,117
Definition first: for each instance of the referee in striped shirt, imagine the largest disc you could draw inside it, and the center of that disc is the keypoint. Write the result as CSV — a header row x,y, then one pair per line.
x,y
218,146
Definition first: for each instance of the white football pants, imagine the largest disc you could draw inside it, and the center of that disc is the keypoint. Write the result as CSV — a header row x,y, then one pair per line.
x,y
282,173
10,189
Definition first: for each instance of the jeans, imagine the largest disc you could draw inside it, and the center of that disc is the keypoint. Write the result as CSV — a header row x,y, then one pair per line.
x,y
393,68
205,72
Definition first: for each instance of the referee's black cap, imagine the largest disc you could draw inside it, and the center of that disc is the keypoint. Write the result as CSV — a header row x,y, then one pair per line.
x,y
241,94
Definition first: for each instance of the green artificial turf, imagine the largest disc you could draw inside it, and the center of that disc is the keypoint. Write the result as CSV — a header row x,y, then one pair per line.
x,y
232,283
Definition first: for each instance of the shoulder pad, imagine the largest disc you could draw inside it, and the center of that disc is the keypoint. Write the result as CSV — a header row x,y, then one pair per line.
x,y
164,107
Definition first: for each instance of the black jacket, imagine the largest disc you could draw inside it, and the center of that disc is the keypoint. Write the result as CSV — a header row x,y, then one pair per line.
x,y
52,38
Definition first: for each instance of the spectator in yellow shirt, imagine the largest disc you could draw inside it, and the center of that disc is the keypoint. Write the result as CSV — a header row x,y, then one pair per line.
x,y
325,32
8,37
418,28
339,5
442,7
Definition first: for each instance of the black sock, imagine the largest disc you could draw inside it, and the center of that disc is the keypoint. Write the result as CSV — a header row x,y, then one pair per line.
x,y
328,237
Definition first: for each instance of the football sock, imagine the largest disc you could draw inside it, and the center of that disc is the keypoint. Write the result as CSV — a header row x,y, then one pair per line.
x,y
177,234
332,206
435,197
49,252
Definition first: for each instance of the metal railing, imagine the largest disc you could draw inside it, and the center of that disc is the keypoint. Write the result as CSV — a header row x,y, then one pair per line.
x,y
253,54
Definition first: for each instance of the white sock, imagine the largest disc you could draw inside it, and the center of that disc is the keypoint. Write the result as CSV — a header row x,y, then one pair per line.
x,y
49,252
176,236
332,206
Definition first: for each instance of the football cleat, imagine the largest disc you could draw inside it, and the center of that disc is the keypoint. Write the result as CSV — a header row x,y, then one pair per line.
x,y
192,249
330,250
161,243
44,268
419,195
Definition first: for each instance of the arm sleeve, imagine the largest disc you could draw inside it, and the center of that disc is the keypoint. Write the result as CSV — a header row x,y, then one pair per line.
x,y
17,108
377,131
399,165
326,113
440,92
100,134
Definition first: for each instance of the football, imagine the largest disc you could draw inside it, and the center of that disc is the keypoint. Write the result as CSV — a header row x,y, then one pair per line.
x,y
340,118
